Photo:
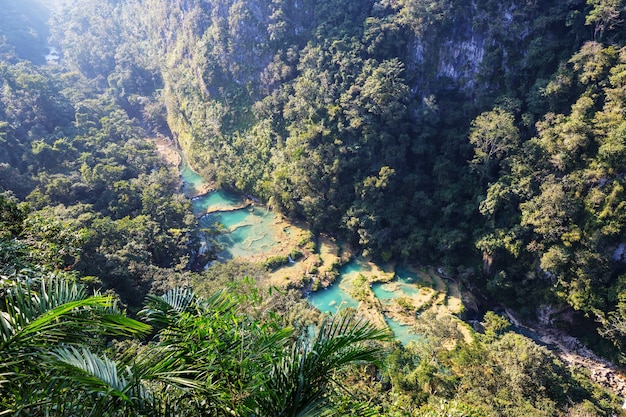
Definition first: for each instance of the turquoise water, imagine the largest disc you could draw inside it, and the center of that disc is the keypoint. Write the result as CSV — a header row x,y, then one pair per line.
x,y
402,285
384,291
194,184
215,201
402,332
354,267
333,298
192,181
252,231
229,219
406,276
248,231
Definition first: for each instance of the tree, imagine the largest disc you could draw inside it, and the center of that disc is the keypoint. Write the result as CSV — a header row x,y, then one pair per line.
x,y
12,216
606,15
255,366
40,318
493,135
207,356
300,380
495,325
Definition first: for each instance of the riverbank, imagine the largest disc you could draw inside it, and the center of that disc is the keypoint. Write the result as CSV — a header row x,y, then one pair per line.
x,y
381,294
167,149
574,354
257,235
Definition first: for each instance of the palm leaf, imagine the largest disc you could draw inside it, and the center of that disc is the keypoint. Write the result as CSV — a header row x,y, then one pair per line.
x,y
49,328
161,310
55,292
88,384
341,338
36,316
298,382
145,380
92,372
60,311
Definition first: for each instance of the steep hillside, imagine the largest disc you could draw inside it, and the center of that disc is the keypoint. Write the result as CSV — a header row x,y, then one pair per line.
x,y
483,135
486,139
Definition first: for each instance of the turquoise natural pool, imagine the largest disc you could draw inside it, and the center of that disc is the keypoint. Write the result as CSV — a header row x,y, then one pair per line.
x,y
402,285
193,183
247,230
216,201
402,332
250,231
334,298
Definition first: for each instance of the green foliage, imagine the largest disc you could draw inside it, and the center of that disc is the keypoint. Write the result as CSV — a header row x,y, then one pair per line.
x,y
12,217
493,135
40,316
223,274
302,377
252,366
118,211
295,254
275,262
360,288
430,130
495,325
504,374
207,355
36,241
605,16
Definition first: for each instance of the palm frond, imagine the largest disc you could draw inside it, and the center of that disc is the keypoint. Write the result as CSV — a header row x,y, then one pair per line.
x,y
298,382
341,338
159,364
176,383
160,310
165,310
55,292
24,320
50,328
90,384
92,372
38,314
25,300
60,311
120,325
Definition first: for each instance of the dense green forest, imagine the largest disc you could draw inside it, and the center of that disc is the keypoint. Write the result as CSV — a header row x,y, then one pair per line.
x,y
488,138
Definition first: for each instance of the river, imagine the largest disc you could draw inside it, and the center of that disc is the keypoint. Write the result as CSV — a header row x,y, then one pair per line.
x,y
252,232
249,231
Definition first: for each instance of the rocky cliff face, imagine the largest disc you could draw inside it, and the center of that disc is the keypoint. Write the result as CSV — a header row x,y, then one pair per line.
x,y
484,47
476,48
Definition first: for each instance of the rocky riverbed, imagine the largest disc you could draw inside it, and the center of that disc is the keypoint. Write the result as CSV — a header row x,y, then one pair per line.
x,y
576,355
